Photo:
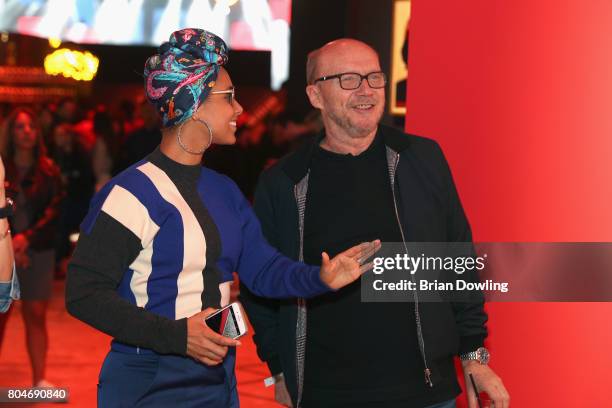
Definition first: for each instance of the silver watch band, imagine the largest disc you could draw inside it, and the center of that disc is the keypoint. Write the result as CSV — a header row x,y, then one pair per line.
x,y
472,355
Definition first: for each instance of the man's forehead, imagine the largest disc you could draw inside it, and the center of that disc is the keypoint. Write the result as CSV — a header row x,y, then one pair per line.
x,y
352,55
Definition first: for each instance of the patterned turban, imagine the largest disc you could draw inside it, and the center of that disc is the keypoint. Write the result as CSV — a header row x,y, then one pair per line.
x,y
181,75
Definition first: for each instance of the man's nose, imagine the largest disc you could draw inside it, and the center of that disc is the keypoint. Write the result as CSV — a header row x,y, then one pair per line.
x,y
364,88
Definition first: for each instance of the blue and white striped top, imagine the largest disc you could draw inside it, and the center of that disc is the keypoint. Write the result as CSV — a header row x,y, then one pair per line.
x,y
160,243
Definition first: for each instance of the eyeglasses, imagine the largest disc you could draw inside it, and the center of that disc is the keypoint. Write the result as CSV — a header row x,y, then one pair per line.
x,y
352,80
231,94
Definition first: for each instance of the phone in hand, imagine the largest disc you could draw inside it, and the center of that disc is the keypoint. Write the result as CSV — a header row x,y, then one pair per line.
x,y
228,321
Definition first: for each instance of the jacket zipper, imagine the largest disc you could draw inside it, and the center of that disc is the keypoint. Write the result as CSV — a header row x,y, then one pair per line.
x,y
427,371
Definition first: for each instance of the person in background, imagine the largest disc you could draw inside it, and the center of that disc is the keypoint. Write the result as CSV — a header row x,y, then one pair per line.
x,y
287,131
106,149
9,285
143,140
34,182
78,182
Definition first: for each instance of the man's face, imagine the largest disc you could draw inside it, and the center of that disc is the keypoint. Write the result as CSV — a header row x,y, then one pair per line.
x,y
356,111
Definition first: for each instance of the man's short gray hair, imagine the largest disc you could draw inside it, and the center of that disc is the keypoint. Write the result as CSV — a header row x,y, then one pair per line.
x,y
312,62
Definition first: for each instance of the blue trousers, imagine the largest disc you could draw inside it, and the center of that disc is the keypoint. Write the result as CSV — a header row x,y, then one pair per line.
x,y
152,380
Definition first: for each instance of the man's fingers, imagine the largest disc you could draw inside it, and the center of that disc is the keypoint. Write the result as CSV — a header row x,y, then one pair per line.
x,y
501,398
471,398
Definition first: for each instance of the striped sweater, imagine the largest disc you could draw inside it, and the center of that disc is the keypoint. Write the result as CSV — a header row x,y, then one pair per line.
x,y
160,243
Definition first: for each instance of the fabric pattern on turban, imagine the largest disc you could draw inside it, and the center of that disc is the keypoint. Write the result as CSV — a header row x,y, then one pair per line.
x,y
179,78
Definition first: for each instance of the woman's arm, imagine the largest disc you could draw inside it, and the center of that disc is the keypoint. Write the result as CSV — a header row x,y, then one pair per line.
x,y
268,273
6,247
103,254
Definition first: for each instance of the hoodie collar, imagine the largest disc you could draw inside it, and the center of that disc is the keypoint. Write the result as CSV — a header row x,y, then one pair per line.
x,y
296,165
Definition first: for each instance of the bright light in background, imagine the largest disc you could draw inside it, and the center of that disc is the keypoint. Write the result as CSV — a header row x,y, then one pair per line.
x,y
269,33
245,25
117,21
229,3
81,66
58,14
54,42
200,11
169,22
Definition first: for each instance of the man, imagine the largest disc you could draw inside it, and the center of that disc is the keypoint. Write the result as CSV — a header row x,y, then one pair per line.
x,y
358,181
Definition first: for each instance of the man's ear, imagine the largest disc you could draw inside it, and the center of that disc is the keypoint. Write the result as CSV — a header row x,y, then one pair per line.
x,y
314,95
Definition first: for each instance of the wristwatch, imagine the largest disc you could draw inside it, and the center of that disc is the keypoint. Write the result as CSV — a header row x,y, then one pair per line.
x,y
7,210
481,355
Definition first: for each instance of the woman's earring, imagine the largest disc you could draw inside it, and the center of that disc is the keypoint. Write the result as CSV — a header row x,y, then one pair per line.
x,y
188,150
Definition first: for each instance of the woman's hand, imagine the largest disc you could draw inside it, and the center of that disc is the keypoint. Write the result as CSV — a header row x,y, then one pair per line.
x,y
204,344
20,243
347,266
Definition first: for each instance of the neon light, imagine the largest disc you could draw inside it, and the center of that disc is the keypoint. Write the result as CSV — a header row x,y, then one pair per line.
x,y
81,66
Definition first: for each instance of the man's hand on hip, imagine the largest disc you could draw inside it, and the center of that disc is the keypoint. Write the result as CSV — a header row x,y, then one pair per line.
x,y
486,381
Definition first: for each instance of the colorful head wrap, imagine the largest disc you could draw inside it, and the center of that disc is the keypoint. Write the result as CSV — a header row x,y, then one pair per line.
x,y
179,78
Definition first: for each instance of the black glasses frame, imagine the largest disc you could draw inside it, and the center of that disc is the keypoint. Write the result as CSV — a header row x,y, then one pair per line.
x,y
361,78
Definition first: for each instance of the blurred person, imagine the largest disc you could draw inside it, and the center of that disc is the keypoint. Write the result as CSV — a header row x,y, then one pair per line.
x,y
67,111
9,285
78,181
105,153
143,140
33,180
127,121
287,131
355,180
85,130
46,118
159,245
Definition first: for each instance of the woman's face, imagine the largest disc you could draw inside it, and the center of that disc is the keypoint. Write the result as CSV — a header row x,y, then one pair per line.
x,y
25,134
220,111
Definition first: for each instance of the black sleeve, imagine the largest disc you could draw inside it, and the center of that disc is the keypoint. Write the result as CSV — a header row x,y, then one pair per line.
x,y
99,262
264,313
470,316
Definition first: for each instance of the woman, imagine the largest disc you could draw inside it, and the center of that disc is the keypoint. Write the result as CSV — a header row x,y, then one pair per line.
x,y
157,250
34,182
9,286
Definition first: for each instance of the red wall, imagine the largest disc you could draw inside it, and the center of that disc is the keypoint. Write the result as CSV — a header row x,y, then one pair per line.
x,y
519,95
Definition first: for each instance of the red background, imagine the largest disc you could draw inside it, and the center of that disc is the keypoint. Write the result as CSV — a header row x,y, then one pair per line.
x,y
519,95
